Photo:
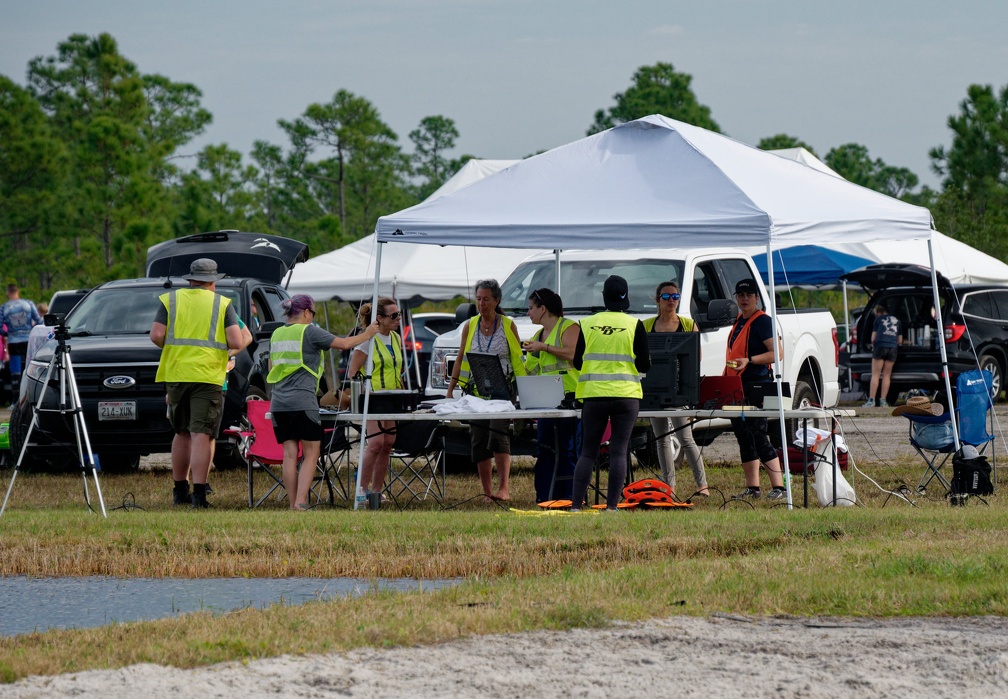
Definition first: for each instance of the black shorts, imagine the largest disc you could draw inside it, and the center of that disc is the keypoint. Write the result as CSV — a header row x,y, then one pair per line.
x,y
885,353
296,426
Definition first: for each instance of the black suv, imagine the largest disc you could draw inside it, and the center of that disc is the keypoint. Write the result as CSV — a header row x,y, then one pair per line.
x,y
115,362
975,332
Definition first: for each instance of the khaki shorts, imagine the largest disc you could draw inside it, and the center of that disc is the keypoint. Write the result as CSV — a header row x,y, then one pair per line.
x,y
194,407
489,437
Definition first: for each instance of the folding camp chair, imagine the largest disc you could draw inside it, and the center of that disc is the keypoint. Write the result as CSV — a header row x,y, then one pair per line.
x,y
931,435
417,467
975,403
335,459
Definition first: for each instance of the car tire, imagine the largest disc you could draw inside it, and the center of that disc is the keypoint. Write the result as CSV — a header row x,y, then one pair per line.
x,y
801,397
119,463
990,363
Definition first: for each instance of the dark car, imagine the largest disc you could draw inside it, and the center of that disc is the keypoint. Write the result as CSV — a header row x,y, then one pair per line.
x,y
64,301
974,320
115,362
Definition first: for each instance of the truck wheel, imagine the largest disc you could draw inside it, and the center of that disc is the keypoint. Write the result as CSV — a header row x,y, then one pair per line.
x,y
119,463
802,397
990,363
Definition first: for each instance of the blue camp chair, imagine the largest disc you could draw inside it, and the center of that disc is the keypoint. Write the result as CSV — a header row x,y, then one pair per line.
x,y
931,435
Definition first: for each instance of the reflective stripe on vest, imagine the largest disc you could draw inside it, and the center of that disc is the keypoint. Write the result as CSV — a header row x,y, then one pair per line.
x,y
287,354
514,350
547,363
388,366
608,369
195,347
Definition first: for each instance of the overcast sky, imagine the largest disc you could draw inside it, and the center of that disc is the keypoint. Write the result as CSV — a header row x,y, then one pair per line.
x,y
519,76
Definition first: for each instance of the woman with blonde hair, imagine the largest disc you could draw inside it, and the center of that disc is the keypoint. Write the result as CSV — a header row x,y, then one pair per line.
x,y
386,349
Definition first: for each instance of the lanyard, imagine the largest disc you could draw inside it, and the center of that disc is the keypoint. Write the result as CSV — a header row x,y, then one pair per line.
x,y
479,335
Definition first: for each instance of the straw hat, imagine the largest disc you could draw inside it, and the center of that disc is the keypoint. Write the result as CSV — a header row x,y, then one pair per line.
x,y
919,405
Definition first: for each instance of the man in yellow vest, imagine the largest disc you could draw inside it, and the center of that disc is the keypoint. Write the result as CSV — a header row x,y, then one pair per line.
x,y
195,327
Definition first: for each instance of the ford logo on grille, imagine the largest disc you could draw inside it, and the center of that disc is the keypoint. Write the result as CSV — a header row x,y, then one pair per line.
x,y
119,382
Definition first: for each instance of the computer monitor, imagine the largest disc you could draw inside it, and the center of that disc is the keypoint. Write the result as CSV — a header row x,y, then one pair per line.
x,y
487,376
673,381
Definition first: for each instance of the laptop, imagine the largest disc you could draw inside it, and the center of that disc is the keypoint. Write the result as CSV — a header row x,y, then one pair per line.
x,y
540,392
487,374
719,391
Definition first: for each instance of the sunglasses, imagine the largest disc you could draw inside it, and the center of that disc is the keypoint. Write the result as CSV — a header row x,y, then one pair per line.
x,y
670,297
393,316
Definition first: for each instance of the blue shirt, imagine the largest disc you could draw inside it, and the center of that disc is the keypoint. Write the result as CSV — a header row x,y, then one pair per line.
x,y
20,316
886,330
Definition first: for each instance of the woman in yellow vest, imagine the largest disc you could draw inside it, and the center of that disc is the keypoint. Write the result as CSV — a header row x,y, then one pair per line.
x,y
296,356
668,320
551,351
750,354
386,375
492,332
612,353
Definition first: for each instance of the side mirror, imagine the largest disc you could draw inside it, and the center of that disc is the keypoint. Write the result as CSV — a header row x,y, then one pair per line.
x,y
721,312
265,330
464,312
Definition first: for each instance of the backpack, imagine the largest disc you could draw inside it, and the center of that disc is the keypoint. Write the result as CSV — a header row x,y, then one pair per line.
x,y
971,476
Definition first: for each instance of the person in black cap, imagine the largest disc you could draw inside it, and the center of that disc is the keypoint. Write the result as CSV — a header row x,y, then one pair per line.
x,y
611,353
750,354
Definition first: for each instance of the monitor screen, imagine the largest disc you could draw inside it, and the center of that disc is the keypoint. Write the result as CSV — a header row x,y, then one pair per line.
x,y
488,379
673,381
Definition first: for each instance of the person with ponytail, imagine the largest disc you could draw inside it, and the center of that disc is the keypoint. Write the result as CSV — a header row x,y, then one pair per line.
x,y
386,349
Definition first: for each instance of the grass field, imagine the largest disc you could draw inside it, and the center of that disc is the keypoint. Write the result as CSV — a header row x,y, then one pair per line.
x,y
520,571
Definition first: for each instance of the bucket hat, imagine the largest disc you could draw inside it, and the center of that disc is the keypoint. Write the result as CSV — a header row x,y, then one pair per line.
x,y
203,270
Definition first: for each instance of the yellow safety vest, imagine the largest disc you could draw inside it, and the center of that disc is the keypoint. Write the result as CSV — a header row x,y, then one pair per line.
x,y
685,324
546,363
287,355
195,347
514,350
388,366
608,369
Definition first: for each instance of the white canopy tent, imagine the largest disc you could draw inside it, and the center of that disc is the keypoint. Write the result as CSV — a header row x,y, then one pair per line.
x,y
410,273
656,182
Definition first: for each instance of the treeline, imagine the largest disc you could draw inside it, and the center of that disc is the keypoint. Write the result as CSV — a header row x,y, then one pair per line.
x,y
90,175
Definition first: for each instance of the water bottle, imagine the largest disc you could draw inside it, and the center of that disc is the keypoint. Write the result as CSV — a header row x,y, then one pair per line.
x,y
360,501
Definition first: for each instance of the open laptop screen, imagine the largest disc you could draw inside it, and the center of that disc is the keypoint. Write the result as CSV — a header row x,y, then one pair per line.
x,y
487,376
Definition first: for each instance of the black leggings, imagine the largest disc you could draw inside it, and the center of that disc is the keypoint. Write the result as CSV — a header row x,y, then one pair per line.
x,y
621,413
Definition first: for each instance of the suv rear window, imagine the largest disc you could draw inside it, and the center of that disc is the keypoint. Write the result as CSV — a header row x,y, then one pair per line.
x,y
913,307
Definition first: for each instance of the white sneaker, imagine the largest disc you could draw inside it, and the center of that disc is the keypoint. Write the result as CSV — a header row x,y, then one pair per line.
x,y
869,404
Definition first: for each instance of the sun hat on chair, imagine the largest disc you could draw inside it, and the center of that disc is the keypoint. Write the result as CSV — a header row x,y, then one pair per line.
x,y
919,405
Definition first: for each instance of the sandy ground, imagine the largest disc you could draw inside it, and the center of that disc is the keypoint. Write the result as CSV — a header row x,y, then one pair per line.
x,y
729,656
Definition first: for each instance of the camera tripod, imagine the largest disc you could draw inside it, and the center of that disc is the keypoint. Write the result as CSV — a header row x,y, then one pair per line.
x,y
69,403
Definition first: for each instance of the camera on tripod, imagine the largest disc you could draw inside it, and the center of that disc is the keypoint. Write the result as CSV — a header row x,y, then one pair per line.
x,y
57,321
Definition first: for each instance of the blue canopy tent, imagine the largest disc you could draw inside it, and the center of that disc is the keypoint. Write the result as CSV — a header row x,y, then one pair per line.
x,y
809,266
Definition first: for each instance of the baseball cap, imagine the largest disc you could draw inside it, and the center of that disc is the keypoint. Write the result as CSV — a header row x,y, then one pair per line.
x,y
615,293
747,286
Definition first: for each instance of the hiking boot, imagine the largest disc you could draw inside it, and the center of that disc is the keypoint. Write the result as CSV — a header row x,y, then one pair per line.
x,y
777,494
180,494
869,404
749,493
199,501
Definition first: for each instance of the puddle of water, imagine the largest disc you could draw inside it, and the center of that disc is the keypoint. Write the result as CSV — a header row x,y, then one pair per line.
x,y
39,604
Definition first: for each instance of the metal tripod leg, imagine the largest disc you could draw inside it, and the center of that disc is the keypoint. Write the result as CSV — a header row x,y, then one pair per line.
x,y
61,356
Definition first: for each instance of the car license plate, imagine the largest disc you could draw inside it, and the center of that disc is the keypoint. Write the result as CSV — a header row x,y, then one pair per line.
x,y
117,410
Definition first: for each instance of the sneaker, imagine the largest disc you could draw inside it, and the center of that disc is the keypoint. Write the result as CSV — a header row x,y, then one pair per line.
x,y
749,493
777,494
869,404
884,404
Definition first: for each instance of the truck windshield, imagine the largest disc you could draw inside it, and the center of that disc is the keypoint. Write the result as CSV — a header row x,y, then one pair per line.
x,y
581,283
121,311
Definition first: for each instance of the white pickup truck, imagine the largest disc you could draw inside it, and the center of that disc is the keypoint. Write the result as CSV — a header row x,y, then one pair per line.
x,y
707,281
